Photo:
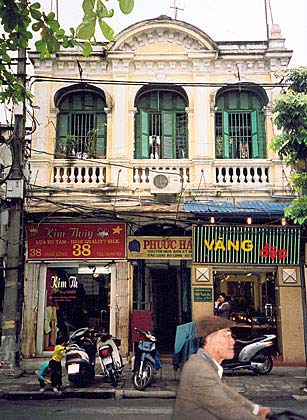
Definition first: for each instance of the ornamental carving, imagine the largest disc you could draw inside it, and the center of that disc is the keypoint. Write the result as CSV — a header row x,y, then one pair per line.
x,y
158,35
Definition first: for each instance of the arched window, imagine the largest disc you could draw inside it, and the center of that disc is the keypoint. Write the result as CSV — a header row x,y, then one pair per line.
x,y
161,125
81,124
240,125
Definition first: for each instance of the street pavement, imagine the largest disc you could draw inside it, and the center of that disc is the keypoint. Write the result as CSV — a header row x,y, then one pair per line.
x,y
284,382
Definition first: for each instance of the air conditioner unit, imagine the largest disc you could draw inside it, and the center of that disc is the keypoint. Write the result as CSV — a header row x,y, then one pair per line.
x,y
166,184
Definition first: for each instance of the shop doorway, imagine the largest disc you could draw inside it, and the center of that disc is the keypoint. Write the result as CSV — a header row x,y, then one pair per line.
x,y
165,305
164,289
252,298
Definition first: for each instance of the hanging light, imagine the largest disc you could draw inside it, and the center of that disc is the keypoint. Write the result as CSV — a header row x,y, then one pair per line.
x,y
212,220
283,221
249,220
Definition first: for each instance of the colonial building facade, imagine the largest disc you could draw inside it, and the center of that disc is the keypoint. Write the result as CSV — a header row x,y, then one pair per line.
x,y
147,158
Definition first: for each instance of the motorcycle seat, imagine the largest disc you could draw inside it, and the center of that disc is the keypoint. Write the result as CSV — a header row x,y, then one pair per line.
x,y
251,340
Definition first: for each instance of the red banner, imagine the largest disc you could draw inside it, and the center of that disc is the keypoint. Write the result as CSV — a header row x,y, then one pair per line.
x,y
58,241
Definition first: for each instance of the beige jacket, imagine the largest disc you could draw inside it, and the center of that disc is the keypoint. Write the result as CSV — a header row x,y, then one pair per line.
x,y
203,395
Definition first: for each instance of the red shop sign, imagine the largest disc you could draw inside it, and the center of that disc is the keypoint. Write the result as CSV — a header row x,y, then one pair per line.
x,y
58,241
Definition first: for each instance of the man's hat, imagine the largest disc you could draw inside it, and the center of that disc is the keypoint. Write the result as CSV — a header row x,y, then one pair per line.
x,y
209,324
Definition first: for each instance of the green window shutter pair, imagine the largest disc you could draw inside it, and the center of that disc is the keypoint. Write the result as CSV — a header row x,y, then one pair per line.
x,y
258,135
142,135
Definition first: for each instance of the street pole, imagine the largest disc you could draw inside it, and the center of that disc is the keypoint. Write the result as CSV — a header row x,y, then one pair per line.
x,y
13,292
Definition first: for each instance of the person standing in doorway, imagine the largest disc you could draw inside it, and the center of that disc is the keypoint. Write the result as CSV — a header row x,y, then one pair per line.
x,y
201,393
222,306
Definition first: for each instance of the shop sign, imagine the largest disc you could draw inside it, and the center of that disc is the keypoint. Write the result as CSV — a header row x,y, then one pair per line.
x,y
202,294
58,241
63,289
246,245
159,247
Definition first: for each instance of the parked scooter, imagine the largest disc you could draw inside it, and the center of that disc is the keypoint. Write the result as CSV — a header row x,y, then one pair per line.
x,y
145,361
111,361
80,356
254,354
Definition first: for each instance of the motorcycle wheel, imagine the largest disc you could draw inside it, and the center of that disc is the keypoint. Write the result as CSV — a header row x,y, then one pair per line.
x,y
268,366
143,379
112,376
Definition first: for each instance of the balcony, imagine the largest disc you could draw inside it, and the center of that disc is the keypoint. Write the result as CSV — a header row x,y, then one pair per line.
x,y
201,174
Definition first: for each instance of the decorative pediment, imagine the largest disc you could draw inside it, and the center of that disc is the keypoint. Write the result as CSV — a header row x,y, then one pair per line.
x,y
163,31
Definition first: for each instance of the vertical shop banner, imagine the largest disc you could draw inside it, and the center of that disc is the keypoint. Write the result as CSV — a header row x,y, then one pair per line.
x,y
58,241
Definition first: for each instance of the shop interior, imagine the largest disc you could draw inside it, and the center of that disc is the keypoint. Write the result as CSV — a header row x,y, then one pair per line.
x,y
76,297
252,299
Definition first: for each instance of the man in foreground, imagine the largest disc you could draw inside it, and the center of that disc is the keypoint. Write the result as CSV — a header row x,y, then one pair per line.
x,y
201,393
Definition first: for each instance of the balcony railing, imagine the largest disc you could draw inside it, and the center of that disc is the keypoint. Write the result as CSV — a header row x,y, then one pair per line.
x,y
242,173
80,173
139,174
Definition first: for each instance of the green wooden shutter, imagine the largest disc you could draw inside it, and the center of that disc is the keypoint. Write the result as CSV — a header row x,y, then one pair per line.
x,y
261,135
225,135
255,145
62,130
142,141
168,143
101,135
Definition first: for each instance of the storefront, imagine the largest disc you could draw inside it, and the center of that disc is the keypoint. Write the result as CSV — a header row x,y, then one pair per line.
x,y
162,282
258,269
73,276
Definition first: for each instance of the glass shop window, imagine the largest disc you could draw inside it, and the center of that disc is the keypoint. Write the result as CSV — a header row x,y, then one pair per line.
x,y
74,301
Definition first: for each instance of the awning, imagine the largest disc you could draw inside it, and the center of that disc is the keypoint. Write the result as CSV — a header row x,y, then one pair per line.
x,y
244,208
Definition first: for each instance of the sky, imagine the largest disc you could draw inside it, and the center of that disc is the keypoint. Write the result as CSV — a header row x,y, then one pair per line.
x,y
222,20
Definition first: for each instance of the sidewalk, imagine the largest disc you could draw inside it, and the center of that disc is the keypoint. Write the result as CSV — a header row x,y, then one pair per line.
x,y
282,383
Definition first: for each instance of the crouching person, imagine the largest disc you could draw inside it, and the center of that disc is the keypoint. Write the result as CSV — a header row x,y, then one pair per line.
x,y
55,365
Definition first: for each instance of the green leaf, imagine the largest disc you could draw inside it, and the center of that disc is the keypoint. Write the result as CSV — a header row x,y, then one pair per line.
x,y
36,26
40,45
35,6
106,30
86,29
88,6
102,11
87,49
36,14
126,6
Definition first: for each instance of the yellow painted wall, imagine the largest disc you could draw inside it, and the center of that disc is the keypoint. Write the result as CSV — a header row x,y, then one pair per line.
x,y
290,320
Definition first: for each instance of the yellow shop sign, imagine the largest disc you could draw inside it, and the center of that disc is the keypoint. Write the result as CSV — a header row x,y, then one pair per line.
x,y
159,247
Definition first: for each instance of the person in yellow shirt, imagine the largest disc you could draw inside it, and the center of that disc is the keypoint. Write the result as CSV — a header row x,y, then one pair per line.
x,y
55,365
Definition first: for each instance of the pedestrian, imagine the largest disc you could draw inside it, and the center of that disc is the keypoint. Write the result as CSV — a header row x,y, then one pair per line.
x,y
55,364
43,376
222,306
201,393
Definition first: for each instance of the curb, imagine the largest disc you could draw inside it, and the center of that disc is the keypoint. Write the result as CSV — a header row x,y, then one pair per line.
x,y
34,395
148,394
115,394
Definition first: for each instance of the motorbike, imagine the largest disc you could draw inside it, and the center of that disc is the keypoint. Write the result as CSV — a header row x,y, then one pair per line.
x,y
254,354
109,357
80,356
285,415
145,360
